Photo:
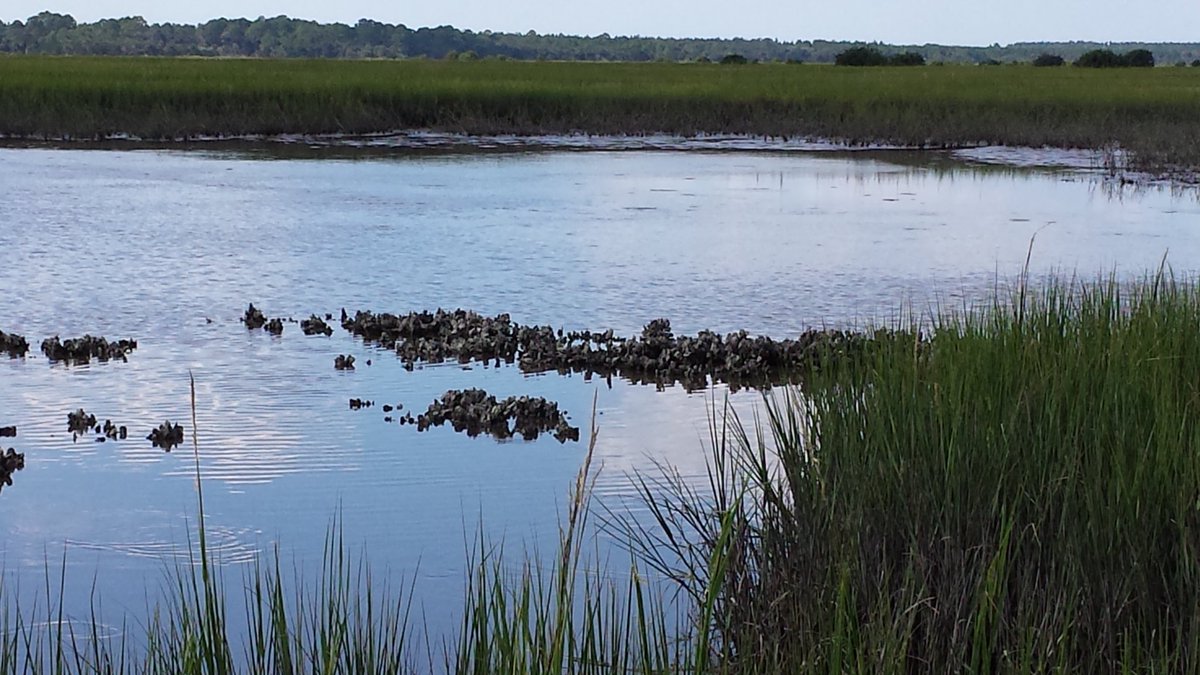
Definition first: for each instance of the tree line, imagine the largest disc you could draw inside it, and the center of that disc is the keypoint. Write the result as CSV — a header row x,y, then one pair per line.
x,y
283,37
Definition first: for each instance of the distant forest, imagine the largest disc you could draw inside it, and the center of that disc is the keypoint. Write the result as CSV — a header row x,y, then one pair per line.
x,y
281,37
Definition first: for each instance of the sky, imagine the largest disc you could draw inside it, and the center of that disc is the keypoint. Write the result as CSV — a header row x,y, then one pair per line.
x,y
963,22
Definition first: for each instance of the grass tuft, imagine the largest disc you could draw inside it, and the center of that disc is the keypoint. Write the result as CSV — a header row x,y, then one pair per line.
x,y
1020,494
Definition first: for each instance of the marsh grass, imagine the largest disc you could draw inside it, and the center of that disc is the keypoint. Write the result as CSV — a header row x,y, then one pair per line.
x,y
45,640
566,617
1151,112
1018,493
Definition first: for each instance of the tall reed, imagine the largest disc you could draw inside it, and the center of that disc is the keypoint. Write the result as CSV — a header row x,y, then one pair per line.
x,y
569,619
1016,493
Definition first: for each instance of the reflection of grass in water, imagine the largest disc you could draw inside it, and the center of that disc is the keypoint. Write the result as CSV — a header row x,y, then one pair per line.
x,y
1153,112
1017,494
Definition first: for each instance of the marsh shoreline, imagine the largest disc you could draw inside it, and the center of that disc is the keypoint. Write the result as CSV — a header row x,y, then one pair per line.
x,y
1147,119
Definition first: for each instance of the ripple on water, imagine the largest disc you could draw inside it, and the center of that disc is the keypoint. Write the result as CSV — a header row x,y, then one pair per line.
x,y
228,546
82,631
768,242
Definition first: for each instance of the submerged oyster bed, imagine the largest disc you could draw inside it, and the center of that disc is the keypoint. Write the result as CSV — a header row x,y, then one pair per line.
x,y
655,356
11,461
15,346
475,412
84,349
72,350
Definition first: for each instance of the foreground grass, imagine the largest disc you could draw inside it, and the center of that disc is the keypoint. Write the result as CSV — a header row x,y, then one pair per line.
x,y
1153,112
1018,491
537,618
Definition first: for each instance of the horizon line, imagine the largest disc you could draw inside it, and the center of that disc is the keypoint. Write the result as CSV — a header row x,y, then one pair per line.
x,y
634,36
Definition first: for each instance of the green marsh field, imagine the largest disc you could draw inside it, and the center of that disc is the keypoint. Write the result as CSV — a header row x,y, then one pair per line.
x,y
1153,112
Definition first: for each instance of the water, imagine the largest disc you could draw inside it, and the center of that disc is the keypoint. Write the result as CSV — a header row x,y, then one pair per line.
x,y
168,247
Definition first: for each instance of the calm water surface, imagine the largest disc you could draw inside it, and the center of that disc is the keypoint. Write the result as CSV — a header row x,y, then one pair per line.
x,y
168,247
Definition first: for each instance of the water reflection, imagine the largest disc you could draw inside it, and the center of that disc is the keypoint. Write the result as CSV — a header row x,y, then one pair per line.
x,y
774,244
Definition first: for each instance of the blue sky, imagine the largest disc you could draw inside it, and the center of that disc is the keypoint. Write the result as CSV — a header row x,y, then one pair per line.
x,y
975,22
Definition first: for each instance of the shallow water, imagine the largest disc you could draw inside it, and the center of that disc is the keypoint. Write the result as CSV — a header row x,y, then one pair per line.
x,y
168,247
